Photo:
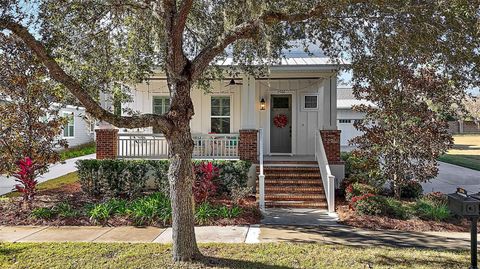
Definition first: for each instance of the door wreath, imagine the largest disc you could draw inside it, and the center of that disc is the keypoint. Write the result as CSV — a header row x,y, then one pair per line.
x,y
280,120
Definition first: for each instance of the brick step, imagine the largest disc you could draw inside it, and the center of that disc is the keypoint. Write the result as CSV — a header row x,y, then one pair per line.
x,y
293,197
297,204
293,189
291,175
283,168
293,182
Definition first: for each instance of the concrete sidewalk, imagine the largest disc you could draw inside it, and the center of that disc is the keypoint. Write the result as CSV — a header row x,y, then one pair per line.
x,y
56,170
339,234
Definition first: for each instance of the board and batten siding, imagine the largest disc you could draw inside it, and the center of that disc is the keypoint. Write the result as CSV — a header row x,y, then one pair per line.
x,y
143,94
305,123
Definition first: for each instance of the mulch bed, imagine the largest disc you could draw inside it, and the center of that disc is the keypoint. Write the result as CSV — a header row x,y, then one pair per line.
x,y
12,212
351,218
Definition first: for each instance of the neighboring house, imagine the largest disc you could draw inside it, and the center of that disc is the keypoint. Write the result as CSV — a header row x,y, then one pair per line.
x,y
79,129
346,116
294,109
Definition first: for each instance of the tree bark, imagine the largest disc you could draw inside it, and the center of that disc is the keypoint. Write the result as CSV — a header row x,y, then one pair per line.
x,y
180,174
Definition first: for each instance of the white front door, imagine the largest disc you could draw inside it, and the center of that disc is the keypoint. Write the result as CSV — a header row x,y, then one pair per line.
x,y
281,124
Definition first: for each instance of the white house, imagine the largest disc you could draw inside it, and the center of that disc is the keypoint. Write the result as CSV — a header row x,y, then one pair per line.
x,y
346,116
287,118
79,129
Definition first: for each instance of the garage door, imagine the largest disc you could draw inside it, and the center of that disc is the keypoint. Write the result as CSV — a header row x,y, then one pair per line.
x,y
348,131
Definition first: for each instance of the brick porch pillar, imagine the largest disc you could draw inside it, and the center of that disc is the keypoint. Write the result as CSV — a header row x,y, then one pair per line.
x,y
247,146
106,140
331,142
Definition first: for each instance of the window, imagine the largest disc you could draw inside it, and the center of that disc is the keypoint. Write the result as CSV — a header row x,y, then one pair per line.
x,y
69,127
344,121
220,114
310,102
161,104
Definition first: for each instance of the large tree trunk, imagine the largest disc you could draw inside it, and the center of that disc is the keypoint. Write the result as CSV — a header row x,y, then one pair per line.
x,y
181,175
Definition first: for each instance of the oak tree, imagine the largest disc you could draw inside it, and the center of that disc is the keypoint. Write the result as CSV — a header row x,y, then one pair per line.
x,y
87,46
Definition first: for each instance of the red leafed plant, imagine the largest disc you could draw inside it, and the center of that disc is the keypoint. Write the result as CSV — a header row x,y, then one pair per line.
x,y
204,186
359,198
26,177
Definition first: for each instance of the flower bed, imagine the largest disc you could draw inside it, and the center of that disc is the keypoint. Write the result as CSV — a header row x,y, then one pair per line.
x,y
106,202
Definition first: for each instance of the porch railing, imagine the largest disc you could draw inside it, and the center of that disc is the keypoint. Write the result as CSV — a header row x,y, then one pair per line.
x,y
327,178
155,146
261,176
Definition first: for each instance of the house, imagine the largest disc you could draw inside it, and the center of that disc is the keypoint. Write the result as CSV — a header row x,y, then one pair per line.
x,y
285,122
79,129
346,116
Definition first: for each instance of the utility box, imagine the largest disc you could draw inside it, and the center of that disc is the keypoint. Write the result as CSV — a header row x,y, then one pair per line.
x,y
463,204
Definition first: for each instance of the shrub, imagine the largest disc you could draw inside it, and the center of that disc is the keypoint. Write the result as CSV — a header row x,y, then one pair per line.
x,y
147,210
369,204
206,212
26,177
358,189
204,186
395,209
103,211
437,198
429,210
65,210
239,193
126,178
411,190
362,170
42,213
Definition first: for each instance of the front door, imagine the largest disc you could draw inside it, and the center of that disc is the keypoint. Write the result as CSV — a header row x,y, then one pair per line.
x,y
281,124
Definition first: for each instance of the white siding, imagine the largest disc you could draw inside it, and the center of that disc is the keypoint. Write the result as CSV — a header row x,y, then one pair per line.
x,y
82,132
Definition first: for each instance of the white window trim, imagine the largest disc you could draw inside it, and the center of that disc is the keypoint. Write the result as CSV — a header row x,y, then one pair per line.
x,y
68,114
303,102
159,97
223,117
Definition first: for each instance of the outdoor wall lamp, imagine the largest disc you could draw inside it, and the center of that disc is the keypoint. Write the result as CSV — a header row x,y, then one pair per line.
x,y
262,104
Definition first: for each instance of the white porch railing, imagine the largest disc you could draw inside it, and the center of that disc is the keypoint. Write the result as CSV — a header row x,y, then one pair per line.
x,y
261,176
327,177
155,146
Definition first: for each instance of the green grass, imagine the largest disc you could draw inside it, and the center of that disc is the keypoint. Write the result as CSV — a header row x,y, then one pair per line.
x,y
269,256
465,152
51,184
78,151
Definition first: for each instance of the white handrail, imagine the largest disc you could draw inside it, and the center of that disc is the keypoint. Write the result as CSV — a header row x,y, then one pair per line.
x,y
261,176
327,178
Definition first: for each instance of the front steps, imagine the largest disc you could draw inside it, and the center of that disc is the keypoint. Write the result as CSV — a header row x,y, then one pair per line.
x,y
293,185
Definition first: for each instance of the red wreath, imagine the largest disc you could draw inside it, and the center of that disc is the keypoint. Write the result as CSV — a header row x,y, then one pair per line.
x,y
280,120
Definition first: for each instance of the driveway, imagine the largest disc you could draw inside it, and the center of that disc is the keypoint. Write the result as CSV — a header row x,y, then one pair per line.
x,y
452,176
56,170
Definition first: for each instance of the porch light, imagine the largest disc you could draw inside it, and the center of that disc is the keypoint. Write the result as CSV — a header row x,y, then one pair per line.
x,y
262,104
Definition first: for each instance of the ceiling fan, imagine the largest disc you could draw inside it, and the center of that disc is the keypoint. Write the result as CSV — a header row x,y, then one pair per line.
x,y
233,83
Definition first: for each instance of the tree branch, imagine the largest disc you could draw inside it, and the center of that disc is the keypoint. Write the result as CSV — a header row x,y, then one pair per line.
x,y
244,31
58,74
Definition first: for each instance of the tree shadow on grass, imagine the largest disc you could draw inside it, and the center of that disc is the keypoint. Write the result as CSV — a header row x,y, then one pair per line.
x,y
212,262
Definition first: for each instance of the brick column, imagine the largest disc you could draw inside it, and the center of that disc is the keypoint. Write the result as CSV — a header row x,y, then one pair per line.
x,y
331,142
106,140
247,146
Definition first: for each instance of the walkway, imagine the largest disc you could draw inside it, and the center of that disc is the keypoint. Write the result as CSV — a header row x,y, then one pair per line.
x,y
56,170
452,176
338,234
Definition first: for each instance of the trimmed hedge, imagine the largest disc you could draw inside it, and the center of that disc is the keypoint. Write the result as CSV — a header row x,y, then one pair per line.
x,y
128,178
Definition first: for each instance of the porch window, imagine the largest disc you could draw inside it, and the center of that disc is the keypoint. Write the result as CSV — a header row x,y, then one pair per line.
x,y
310,102
220,114
69,127
161,104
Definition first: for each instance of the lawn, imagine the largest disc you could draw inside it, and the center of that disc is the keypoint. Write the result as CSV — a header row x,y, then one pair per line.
x,y
271,255
78,151
465,152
